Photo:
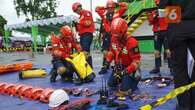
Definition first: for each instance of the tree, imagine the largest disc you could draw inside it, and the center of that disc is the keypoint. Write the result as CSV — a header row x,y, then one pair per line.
x,y
125,0
36,9
2,23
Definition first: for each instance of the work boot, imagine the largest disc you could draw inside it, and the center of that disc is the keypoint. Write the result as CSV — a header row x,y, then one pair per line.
x,y
53,77
77,81
66,79
103,71
104,68
155,71
90,78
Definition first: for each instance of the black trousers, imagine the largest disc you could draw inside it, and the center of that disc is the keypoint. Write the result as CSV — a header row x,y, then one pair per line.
x,y
183,37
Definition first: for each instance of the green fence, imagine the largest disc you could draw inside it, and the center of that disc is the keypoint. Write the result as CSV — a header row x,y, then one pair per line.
x,y
146,46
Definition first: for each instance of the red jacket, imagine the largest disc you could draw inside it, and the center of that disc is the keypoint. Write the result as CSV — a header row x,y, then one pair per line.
x,y
85,18
163,24
64,46
127,55
102,13
159,23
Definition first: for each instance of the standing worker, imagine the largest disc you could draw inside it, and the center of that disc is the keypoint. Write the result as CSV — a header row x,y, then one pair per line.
x,y
85,28
160,39
108,14
182,37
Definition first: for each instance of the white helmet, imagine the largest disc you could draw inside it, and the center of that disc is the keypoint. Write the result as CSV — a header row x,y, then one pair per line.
x,y
57,98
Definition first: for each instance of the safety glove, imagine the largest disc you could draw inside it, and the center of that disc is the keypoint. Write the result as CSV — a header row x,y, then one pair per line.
x,y
123,73
117,76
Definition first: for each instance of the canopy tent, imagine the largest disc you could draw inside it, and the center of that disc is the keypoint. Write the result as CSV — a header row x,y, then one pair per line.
x,y
42,27
25,39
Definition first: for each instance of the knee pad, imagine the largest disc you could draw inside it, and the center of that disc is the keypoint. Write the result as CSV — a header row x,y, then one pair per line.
x,y
157,54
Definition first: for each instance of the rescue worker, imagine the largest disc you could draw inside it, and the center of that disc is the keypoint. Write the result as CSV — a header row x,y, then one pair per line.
x,y
85,28
182,38
125,53
108,14
61,49
160,40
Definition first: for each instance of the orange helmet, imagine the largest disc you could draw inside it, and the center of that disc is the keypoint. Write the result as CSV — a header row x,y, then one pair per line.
x,y
119,27
75,6
110,4
66,31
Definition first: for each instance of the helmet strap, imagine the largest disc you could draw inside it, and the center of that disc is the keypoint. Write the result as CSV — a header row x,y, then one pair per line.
x,y
64,103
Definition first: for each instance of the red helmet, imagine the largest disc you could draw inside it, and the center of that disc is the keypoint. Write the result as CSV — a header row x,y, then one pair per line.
x,y
66,31
157,2
75,6
119,27
110,4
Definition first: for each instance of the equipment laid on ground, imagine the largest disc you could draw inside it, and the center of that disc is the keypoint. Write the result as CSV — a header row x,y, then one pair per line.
x,y
112,103
25,91
77,92
15,67
143,96
87,92
46,94
58,97
172,94
159,82
81,104
103,94
33,73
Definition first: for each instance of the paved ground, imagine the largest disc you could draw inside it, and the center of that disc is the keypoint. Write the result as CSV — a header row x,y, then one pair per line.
x,y
44,60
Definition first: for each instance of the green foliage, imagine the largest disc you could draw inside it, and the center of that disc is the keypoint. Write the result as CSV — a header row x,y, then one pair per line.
x,y
125,0
129,0
36,9
2,23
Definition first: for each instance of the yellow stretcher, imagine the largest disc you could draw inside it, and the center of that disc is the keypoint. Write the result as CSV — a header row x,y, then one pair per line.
x,y
79,62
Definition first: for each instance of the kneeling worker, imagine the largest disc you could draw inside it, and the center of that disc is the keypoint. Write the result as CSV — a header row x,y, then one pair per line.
x,y
125,52
62,49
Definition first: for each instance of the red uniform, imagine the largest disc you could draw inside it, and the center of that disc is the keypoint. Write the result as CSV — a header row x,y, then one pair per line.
x,y
64,46
159,23
86,23
102,13
125,53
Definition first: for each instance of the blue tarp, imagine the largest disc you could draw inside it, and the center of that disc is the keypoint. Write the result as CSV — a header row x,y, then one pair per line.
x,y
14,103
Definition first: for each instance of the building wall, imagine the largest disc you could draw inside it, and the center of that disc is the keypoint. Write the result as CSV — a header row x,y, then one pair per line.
x,y
144,30
145,45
